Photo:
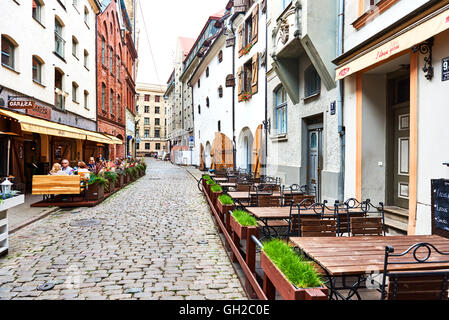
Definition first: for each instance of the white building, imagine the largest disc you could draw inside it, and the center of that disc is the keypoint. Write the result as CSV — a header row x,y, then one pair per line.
x,y
48,55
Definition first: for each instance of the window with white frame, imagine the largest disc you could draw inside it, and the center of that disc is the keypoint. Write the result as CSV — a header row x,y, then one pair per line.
x,y
86,99
59,40
280,111
86,59
37,10
37,69
9,49
74,47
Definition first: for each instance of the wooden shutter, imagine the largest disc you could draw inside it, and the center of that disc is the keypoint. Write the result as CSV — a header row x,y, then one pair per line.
x,y
240,87
240,6
240,47
257,152
202,161
255,18
255,74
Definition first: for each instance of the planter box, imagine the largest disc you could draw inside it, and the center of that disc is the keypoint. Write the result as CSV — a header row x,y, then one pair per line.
x,y
223,208
111,187
95,192
240,230
12,202
214,196
285,288
120,180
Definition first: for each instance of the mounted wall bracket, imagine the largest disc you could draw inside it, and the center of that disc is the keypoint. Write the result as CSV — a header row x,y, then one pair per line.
x,y
425,48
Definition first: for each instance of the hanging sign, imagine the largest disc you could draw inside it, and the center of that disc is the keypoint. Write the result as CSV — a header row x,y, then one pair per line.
x,y
445,69
21,104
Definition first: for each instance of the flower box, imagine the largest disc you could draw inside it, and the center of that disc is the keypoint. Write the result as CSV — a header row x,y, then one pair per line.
x,y
110,186
223,208
120,180
240,231
95,192
287,290
214,197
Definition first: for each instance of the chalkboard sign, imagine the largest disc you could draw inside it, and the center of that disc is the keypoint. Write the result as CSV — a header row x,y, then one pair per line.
x,y
440,207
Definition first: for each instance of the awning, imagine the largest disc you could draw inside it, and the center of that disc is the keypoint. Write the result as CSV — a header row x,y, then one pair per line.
x,y
42,126
114,139
401,41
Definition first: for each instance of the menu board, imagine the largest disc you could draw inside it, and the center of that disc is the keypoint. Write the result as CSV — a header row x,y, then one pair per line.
x,y
440,207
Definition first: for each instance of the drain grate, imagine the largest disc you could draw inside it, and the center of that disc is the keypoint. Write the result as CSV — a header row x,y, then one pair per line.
x,y
46,286
85,223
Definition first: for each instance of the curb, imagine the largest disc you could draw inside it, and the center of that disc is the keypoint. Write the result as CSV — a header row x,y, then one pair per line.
x,y
41,216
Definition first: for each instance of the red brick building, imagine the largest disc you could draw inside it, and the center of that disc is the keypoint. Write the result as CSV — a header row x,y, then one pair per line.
x,y
116,56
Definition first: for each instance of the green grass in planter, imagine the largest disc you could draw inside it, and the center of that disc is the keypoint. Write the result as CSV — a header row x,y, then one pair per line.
x,y
244,218
210,182
296,269
216,188
207,177
226,200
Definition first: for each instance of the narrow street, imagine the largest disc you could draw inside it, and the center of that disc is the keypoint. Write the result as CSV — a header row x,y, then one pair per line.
x,y
154,239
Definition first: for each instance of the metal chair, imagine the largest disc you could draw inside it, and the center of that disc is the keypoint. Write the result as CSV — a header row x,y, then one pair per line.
x,y
427,284
365,219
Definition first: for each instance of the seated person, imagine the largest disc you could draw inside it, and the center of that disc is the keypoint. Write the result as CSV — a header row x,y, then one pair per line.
x,y
56,170
92,165
66,168
82,168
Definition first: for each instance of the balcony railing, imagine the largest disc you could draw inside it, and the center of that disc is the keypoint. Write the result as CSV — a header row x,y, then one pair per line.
x,y
59,101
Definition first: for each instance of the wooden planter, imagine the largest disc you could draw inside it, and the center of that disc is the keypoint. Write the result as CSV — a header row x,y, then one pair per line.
x,y
214,196
238,229
95,192
275,279
120,180
111,187
223,208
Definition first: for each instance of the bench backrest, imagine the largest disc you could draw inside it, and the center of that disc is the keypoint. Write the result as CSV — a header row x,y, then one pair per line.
x,y
366,226
268,201
431,285
318,227
58,184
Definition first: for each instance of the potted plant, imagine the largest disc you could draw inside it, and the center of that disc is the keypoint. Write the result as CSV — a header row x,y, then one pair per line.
x,y
224,205
209,184
215,191
240,221
95,190
120,178
112,179
292,275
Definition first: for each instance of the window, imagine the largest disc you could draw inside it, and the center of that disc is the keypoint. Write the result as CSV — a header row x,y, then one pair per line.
x,y
103,97
158,146
86,59
247,76
312,82
137,145
74,92
157,121
103,57
219,126
118,68
147,109
8,53
207,102
156,110
220,56
199,83
368,4
111,102
147,97
157,98
147,133
37,69
147,146
111,60
157,133
281,111
220,91
118,106
59,85
37,10
199,109
86,99
59,41
147,121
137,108
74,47
86,16
207,72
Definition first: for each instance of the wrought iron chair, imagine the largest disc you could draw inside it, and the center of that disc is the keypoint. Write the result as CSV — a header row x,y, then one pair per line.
x,y
295,193
369,221
427,284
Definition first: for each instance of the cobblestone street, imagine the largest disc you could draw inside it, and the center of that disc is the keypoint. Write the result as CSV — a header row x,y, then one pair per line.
x,y
154,239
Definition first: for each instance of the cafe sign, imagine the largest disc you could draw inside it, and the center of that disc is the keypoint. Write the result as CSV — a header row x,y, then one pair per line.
x,y
21,104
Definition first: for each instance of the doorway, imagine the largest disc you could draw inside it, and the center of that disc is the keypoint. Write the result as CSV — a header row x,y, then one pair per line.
x,y
314,158
398,142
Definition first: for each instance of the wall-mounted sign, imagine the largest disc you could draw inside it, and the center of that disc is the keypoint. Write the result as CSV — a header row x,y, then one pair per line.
x,y
440,207
333,103
20,104
445,69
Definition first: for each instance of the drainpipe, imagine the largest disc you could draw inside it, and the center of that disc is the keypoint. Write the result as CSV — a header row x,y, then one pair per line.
x,y
265,153
234,143
339,107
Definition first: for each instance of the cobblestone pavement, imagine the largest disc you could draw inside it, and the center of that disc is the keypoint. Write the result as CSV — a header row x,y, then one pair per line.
x,y
155,239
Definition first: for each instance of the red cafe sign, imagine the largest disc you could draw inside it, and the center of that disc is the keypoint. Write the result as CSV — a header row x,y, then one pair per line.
x,y
21,104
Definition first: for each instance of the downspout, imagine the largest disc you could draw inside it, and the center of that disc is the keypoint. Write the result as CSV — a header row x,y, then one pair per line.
x,y
234,143
96,68
265,153
339,107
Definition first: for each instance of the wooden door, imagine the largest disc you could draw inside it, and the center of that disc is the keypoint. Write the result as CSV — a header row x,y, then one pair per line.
x,y
314,160
257,152
401,156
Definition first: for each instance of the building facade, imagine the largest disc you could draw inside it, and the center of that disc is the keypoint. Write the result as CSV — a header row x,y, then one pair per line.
x,y
393,69
304,141
116,74
151,120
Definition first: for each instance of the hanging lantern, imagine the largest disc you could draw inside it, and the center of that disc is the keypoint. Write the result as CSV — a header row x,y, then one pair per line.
x,y
6,187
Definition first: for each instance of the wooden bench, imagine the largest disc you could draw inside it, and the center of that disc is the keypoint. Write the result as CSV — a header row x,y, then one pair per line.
x,y
366,226
58,184
318,227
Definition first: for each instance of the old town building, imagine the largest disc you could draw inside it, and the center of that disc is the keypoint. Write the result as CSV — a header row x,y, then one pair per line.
x,y
116,55
47,86
151,121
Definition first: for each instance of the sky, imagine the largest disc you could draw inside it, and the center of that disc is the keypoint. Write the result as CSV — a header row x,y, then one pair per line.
x,y
166,20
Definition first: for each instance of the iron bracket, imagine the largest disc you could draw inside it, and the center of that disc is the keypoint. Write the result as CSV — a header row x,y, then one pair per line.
x,y
425,48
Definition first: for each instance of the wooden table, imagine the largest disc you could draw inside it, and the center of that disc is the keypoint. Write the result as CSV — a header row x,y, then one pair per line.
x,y
218,180
360,256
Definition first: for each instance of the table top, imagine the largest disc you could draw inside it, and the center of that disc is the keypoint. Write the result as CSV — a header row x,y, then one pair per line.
x,y
220,179
245,194
279,212
227,184
360,255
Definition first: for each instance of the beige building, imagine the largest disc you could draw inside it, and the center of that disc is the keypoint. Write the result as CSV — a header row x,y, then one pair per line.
x,y
151,109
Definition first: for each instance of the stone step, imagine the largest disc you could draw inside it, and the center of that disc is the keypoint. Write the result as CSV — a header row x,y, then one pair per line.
x,y
397,214
397,227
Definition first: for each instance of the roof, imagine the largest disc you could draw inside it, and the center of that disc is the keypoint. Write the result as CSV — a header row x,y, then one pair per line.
x,y
218,15
186,44
104,4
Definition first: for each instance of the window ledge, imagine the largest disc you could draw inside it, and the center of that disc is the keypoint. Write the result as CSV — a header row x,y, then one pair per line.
x,y
38,83
377,9
10,69
39,22
87,68
279,138
59,56
311,97
86,25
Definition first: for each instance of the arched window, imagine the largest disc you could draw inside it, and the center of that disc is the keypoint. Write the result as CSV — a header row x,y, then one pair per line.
x,y
9,48
280,110
220,56
103,97
74,92
37,69
207,72
199,109
74,47
59,87
111,101
207,102
59,40
103,51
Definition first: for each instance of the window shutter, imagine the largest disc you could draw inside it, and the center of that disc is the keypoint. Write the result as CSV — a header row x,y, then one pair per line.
x,y
240,6
240,87
240,47
255,18
255,74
